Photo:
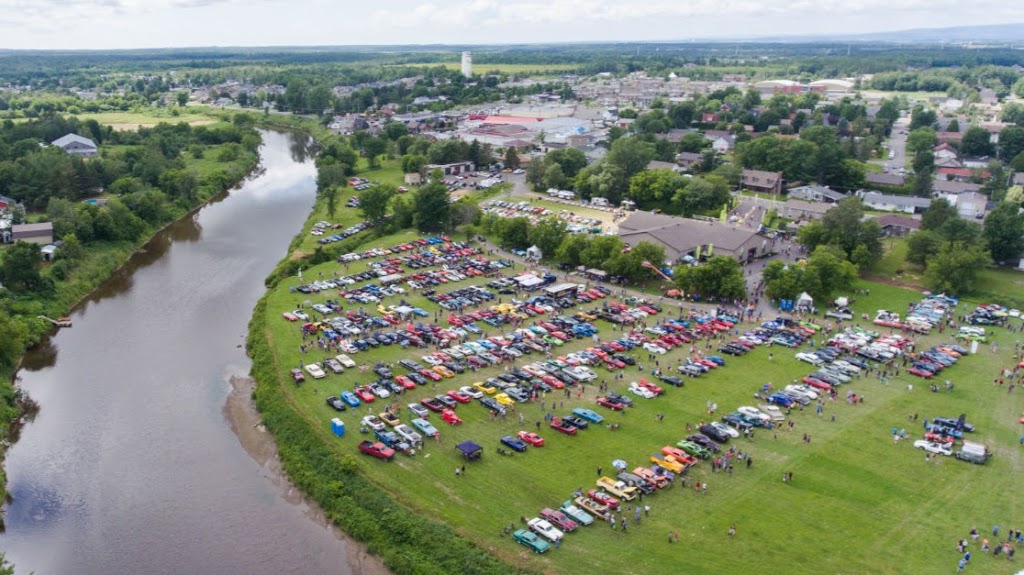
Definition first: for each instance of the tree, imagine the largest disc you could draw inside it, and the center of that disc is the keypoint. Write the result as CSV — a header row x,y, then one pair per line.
x,y
693,142
511,158
571,249
827,272
182,98
19,271
373,203
922,245
630,263
535,172
602,180
720,276
1011,142
655,186
976,141
554,177
921,140
547,235
1004,232
631,155
921,118
515,232
432,207
960,230
782,281
600,250
924,162
939,212
374,147
12,345
572,160
954,269
702,195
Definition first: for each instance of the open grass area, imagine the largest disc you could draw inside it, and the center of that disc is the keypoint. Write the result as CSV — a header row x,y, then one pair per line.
x,y
152,116
485,68
858,503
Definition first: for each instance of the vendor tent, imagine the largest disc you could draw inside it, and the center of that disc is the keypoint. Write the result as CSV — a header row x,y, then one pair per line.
x,y
842,301
470,450
529,281
804,301
534,253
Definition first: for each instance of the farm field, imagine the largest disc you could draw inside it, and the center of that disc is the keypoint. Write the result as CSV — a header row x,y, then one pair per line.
x,y
858,503
150,117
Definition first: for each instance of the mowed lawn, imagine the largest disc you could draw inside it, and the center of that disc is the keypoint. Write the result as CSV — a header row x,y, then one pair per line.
x,y
149,117
858,503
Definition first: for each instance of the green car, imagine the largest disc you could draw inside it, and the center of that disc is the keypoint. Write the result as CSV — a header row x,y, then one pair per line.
x,y
810,325
553,340
693,449
859,330
576,514
531,540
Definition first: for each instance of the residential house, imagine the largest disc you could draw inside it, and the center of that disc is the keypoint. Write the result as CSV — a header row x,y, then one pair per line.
x,y
949,137
815,194
761,181
891,203
954,187
993,129
76,145
884,180
948,163
803,210
5,203
687,160
944,151
675,135
684,236
452,169
969,205
1018,179
660,165
709,118
897,226
33,233
723,144
413,179
957,174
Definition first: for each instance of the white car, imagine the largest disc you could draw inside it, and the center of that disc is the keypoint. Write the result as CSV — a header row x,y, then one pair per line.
x,y
545,529
316,371
380,391
432,360
407,432
803,390
373,422
838,374
471,391
418,410
637,389
345,360
809,358
654,348
753,413
933,447
845,366
773,412
733,433
335,365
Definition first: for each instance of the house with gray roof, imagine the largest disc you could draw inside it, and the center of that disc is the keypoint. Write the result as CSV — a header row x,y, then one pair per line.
x,y
76,145
815,194
952,187
884,180
684,236
891,203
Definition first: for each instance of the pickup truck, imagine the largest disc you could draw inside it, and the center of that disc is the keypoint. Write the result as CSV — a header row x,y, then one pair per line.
x,y
617,488
378,450
392,440
635,481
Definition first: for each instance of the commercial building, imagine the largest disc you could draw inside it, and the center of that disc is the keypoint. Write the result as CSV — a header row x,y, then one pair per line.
x,y
683,236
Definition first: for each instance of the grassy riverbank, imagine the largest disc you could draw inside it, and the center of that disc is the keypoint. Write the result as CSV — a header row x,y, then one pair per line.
x,y
97,262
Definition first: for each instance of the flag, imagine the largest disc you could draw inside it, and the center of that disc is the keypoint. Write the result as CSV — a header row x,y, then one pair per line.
x,y
697,256
711,248
725,213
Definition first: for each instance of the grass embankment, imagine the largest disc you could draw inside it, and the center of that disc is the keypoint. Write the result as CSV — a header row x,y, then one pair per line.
x,y
858,504
99,261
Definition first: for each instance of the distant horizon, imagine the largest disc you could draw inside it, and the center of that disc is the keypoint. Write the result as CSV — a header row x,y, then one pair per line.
x,y
108,25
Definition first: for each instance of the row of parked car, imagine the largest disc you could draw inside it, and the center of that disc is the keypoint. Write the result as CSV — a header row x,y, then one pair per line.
x,y
941,435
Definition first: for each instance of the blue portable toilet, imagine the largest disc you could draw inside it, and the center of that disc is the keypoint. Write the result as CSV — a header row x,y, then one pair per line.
x,y
338,427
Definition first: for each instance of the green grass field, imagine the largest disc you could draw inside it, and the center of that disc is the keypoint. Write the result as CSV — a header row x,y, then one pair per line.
x,y
858,503
149,117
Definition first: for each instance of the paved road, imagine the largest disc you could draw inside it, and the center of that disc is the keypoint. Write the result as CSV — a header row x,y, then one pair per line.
x,y
897,143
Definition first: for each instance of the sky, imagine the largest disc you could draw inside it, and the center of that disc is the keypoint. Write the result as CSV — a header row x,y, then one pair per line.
x,y
117,24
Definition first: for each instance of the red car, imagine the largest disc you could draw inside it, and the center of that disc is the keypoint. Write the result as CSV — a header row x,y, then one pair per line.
x,y
613,363
816,383
920,372
459,396
531,438
558,425
654,388
297,376
559,519
605,402
552,381
433,404
679,455
430,374
603,498
364,393
378,450
405,382
449,417
940,438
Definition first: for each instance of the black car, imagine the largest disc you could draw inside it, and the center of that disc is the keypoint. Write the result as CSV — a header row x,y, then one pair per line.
x,y
714,433
624,358
733,349
335,403
492,404
672,380
577,422
636,481
620,399
735,421
705,442
446,401
383,371
954,423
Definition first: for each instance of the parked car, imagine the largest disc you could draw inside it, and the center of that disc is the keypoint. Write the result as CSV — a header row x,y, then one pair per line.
x,y
424,427
934,447
378,450
513,443
531,541
531,438
544,529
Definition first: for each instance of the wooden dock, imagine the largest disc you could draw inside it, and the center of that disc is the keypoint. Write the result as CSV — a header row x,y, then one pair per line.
x,y
59,322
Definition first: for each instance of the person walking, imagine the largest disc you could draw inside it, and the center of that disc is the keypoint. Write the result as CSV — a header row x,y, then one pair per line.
x,y
732,530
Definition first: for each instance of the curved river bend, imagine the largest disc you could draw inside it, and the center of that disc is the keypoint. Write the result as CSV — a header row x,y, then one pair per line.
x,y
130,465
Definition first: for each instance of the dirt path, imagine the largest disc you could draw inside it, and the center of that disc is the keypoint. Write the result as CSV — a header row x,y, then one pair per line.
x,y
241,413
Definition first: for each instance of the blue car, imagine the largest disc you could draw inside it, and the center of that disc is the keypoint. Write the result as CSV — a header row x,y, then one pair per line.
x,y
350,398
588,414
779,399
419,312
513,443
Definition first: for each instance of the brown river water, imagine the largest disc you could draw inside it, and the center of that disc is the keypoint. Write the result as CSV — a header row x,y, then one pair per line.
x,y
142,459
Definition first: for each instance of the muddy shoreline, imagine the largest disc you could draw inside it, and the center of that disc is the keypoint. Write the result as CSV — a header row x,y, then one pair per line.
x,y
244,419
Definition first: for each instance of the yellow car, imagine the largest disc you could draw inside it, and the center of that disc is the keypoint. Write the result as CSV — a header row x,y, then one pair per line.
x,y
504,399
444,371
389,418
485,387
586,316
668,462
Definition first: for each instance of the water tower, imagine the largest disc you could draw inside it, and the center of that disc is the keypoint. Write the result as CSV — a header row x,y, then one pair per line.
x,y
467,64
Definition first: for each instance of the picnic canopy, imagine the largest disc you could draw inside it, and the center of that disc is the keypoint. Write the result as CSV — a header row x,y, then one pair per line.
x,y
804,301
470,449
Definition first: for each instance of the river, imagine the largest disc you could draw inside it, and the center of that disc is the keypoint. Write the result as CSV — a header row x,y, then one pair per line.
x,y
131,465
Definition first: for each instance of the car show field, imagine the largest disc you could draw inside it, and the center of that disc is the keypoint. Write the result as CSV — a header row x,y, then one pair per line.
x,y
849,481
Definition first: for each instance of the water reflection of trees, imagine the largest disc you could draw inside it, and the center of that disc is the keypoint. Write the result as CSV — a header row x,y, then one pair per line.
x,y
299,146
42,356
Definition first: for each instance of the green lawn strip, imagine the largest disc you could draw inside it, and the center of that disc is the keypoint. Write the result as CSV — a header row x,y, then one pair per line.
x,y
852,484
